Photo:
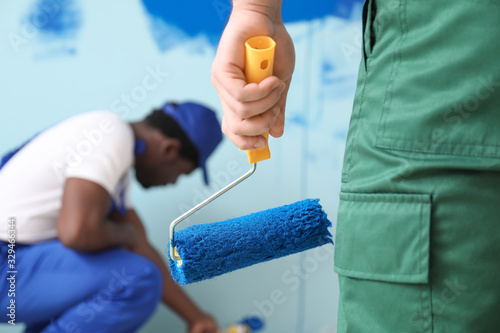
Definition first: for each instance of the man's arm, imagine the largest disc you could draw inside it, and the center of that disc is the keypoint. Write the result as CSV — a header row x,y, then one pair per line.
x,y
83,224
251,109
173,296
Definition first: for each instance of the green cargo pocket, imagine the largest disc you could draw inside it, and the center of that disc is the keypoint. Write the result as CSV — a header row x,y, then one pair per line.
x,y
383,237
382,258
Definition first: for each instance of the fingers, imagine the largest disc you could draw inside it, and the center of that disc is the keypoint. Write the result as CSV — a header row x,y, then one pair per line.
x,y
206,325
251,118
248,100
252,126
243,141
278,127
250,110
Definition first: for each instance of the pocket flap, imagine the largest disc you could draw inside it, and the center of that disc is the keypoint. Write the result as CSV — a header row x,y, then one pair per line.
x,y
383,237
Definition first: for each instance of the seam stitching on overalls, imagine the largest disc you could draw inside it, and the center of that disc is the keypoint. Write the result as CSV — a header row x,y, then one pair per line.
x,y
355,117
348,271
421,238
346,172
388,197
424,291
433,152
392,77
429,279
442,144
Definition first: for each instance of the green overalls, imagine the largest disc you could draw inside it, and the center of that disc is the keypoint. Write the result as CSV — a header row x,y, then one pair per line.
x,y
418,230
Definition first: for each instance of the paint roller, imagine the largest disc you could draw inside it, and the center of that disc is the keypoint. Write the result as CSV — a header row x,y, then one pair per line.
x,y
208,250
247,325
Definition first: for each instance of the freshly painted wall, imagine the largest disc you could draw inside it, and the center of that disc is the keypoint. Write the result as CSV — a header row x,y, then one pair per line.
x,y
63,57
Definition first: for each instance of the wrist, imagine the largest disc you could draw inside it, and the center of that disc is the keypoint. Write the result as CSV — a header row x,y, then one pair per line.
x,y
270,8
194,317
130,238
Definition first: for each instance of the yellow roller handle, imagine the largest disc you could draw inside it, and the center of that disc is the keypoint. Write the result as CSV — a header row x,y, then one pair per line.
x,y
259,63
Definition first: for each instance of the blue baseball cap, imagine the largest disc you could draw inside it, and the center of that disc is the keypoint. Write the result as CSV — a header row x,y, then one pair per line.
x,y
200,125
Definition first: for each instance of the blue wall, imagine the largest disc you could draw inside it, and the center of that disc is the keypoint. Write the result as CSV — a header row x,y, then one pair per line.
x,y
209,17
63,57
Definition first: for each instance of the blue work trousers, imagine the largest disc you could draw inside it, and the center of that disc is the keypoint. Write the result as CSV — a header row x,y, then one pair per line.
x,y
57,289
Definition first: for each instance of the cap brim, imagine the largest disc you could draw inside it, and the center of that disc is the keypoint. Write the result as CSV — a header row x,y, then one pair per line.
x,y
205,173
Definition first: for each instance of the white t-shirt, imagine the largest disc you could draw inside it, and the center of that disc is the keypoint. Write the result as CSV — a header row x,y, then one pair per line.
x,y
97,146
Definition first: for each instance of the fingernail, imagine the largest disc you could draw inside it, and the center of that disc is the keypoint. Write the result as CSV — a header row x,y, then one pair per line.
x,y
260,144
276,110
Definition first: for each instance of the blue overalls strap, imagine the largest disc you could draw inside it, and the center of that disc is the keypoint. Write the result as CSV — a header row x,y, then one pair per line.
x,y
10,154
